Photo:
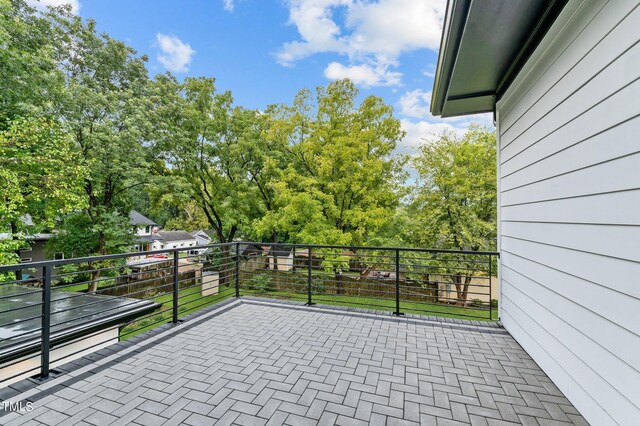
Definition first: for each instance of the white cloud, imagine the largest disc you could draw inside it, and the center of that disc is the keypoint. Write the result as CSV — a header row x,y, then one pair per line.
x,y
228,5
374,33
364,75
421,132
415,104
42,4
390,27
430,71
175,55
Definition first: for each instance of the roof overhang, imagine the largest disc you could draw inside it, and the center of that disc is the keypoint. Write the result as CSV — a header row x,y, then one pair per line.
x,y
484,45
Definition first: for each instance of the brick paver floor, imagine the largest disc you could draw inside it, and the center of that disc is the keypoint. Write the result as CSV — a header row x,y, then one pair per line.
x,y
258,364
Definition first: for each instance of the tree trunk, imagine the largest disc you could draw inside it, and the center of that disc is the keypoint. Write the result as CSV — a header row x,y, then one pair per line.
x,y
457,280
465,290
92,287
339,284
225,267
462,288
14,231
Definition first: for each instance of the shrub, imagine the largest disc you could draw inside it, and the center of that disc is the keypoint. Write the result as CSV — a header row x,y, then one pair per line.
x,y
476,303
260,283
317,287
494,303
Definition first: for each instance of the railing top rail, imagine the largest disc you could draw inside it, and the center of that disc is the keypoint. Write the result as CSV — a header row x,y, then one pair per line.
x,y
410,249
60,262
72,260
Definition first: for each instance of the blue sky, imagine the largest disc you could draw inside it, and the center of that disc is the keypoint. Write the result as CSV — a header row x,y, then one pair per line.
x,y
264,51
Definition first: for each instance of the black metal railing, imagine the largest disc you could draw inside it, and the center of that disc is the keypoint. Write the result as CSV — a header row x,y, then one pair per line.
x,y
76,306
402,280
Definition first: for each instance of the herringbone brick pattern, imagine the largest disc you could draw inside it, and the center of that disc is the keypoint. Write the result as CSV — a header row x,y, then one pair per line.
x,y
259,365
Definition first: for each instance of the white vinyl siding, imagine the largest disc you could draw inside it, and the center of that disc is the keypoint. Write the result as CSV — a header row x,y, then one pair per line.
x,y
569,219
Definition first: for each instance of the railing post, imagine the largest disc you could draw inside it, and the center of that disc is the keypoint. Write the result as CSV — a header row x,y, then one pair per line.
x,y
309,278
238,269
46,321
397,312
176,284
490,293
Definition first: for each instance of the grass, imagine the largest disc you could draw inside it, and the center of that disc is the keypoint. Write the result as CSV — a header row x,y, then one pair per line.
x,y
189,300
382,304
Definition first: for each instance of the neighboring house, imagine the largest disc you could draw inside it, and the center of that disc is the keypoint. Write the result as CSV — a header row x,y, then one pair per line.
x,y
143,226
562,79
253,257
301,259
36,252
203,237
144,229
173,239
34,249
280,258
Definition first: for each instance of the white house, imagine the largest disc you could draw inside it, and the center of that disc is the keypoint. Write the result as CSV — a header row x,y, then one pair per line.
x,y
203,238
280,258
173,239
144,229
562,79
143,226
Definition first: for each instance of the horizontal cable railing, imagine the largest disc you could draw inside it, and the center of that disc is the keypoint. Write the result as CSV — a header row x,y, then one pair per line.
x,y
71,307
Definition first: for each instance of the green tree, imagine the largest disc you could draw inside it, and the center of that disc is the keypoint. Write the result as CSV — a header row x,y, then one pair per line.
x,y
39,172
344,179
29,74
40,177
217,149
191,217
456,196
104,109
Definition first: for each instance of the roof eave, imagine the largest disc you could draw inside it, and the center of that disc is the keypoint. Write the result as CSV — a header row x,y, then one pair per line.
x,y
462,15
455,18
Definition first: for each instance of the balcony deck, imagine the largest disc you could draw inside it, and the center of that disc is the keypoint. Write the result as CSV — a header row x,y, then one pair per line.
x,y
255,362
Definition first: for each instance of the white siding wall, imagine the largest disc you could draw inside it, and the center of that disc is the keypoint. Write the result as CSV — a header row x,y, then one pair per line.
x,y
569,167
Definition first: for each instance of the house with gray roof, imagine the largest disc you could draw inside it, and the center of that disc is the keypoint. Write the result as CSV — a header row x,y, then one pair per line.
x,y
173,239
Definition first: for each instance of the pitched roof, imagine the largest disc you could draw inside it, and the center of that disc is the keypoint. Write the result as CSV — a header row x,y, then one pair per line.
x,y
249,249
280,251
175,235
208,232
137,219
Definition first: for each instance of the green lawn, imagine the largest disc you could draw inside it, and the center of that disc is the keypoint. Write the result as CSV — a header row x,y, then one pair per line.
x,y
382,304
189,300
81,288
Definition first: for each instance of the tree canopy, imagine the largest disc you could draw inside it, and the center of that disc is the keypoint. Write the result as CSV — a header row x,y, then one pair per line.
x,y
456,194
341,182
86,135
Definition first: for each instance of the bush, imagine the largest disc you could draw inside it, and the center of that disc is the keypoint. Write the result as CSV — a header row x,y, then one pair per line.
x,y
317,287
260,283
494,303
476,303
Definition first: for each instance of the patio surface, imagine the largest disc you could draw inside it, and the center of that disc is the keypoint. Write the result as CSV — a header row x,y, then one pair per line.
x,y
269,363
